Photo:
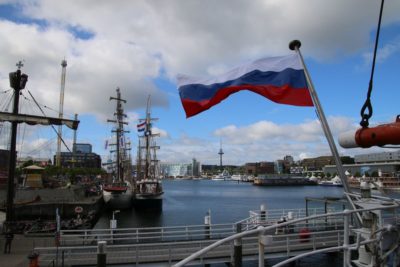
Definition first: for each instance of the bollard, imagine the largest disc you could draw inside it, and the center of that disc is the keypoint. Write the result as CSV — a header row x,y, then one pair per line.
x,y
207,225
263,216
237,246
365,190
101,254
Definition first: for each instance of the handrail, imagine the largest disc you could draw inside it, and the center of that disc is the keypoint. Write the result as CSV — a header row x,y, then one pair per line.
x,y
179,232
263,229
291,259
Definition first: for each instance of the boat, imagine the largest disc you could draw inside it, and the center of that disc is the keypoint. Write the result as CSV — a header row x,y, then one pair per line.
x,y
223,176
118,194
148,186
283,181
333,182
237,177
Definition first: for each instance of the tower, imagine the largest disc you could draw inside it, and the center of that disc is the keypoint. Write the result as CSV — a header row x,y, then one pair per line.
x,y
220,153
61,108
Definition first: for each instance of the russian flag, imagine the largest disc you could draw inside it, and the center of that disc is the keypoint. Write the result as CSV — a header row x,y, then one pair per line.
x,y
280,79
141,127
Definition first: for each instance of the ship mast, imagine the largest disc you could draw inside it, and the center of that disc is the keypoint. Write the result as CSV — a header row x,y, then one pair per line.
x,y
61,111
147,135
18,81
119,121
150,162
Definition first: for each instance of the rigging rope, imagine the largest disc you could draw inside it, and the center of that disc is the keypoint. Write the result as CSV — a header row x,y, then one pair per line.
x,y
366,110
44,106
52,126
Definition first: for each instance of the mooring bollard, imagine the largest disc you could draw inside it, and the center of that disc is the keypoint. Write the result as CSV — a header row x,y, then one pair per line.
x,y
237,246
207,225
101,254
263,213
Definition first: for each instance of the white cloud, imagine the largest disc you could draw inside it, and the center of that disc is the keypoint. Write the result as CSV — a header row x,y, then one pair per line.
x,y
383,53
195,35
260,141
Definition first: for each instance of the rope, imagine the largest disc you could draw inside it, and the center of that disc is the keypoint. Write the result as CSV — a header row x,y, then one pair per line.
x,y
44,106
52,126
366,110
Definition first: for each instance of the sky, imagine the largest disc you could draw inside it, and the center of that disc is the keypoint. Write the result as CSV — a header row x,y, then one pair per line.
x,y
140,47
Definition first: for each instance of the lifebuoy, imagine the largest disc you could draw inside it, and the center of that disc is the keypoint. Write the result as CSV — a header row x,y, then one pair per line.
x,y
78,209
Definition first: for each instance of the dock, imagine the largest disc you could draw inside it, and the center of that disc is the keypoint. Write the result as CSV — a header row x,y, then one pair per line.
x,y
164,246
21,247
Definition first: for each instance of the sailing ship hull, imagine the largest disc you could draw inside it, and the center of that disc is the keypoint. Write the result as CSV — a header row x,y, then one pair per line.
x,y
148,202
117,201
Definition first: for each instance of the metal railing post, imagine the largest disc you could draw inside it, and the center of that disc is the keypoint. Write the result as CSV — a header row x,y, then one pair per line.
x,y
346,251
260,248
237,248
101,254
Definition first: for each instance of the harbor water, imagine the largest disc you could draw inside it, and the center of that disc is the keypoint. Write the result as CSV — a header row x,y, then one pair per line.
x,y
186,202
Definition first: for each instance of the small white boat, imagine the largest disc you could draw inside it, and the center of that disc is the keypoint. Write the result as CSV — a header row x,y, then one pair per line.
x,y
333,182
223,176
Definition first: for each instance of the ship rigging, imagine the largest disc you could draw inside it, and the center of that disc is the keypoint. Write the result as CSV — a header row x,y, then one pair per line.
x,y
148,184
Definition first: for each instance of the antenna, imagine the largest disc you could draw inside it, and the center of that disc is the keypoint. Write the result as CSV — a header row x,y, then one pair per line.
x,y
220,153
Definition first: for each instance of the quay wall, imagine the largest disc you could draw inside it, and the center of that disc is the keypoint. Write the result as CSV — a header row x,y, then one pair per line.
x,y
42,203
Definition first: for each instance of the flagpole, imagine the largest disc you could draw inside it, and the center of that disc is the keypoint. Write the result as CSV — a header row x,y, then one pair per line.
x,y
295,45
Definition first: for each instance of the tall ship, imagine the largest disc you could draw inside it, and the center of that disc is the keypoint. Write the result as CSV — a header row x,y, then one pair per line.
x,y
118,193
148,190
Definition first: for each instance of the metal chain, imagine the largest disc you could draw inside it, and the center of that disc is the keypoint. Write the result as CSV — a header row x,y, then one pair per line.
x,y
365,116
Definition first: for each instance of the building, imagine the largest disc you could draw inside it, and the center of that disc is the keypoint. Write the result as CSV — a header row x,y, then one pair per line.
x,y
41,162
176,169
372,163
378,157
296,170
196,168
279,166
82,158
257,168
373,168
82,148
181,169
318,163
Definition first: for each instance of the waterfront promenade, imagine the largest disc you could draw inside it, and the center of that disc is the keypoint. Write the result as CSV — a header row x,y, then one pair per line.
x,y
21,247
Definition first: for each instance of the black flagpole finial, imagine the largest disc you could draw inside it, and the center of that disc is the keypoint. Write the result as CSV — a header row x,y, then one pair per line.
x,y
293,44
